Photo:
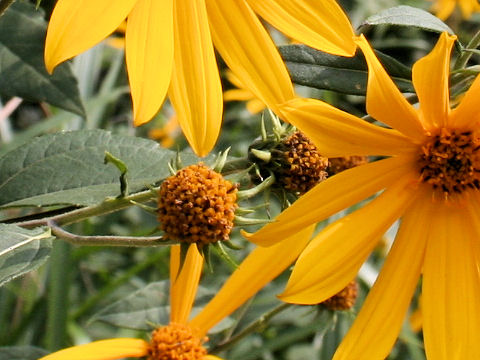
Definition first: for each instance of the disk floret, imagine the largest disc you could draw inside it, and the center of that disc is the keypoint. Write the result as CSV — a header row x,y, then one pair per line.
x,y
303,166
197,205
343,300
450,161
176,342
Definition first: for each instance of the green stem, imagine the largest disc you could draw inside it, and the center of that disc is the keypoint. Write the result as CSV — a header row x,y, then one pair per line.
x,y
141,241
56,332
106,207
463,59
254,326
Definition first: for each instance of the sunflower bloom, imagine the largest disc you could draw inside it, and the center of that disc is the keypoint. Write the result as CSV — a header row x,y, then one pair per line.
x,y
169,47
431,180
259,268
444,8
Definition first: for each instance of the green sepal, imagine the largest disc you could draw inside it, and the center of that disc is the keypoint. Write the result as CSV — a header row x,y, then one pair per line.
x,y
246,194
221,251
220,160
149,209
243,221
230,245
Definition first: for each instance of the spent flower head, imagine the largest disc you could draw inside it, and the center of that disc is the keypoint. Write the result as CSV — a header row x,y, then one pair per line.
x,y
197,205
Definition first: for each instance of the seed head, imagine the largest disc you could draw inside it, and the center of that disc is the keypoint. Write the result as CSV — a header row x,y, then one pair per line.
x,y
197,205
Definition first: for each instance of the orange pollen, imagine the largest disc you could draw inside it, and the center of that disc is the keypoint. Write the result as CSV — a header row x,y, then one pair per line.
x,y
343,300
450,161
340,164
176,342
197,205
304,166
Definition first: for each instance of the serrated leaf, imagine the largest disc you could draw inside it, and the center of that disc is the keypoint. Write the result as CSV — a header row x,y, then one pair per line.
x,y
150,306
324,71
22,250
408,16
68,168
21,353
22,69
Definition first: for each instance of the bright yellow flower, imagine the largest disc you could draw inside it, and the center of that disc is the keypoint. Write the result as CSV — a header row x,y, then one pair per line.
x,y
259,268
431,181
444,8
169,46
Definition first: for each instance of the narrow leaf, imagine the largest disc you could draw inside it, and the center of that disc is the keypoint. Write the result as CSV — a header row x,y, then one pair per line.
x,y
409,16
320,70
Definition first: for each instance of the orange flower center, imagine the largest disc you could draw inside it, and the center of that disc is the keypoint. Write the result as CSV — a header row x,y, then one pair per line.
x,y
450,161
343,300
176,342
304,165
197,205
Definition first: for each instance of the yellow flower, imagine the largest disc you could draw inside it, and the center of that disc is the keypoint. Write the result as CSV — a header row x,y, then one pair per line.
x,y
444,8
431,181
259,268
169,46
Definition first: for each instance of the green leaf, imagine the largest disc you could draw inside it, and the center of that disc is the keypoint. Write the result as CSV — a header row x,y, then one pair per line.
x,y
150,306
320,70
22,69
409,16
22,250
68,168
21,353
139,310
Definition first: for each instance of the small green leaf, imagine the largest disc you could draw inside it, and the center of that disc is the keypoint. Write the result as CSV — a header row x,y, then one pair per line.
x,y
68,168
22,250
409,16
22,69
21,353
320,70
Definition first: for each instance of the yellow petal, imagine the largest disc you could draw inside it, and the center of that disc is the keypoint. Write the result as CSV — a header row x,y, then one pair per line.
x,y
466,114
257,270
195,90
451,286
468,7
102,350
183,285
337,133
321,25
76,26
384,101
330,196
443,8
237,95
378,324
430,77
255,106
332,259
149,53
248,50
211,357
